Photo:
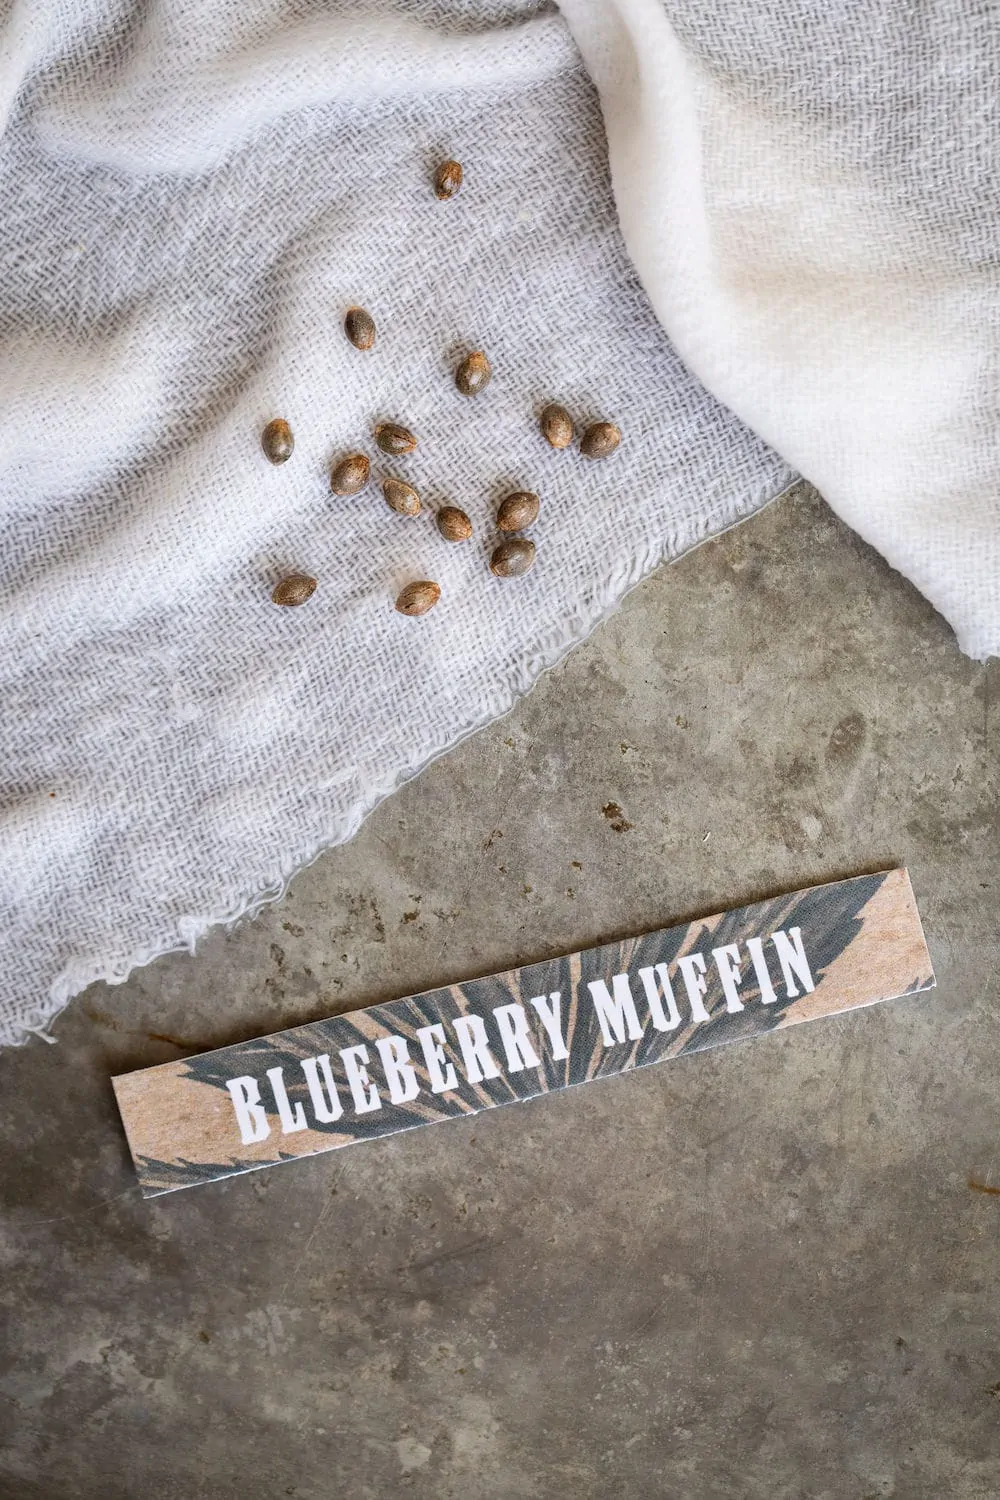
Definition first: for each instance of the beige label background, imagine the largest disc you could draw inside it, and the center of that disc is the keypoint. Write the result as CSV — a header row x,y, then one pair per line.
x,y
864,941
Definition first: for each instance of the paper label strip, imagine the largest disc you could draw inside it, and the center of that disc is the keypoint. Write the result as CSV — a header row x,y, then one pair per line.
x,y
533,1030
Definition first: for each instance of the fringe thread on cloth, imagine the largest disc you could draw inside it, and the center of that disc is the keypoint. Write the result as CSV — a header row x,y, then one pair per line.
x,y
193,195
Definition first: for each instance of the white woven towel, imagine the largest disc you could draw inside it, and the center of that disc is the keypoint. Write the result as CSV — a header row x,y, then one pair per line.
x,y
193,193
810,193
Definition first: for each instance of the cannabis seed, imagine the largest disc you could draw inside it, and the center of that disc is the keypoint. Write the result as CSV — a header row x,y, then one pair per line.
x,y
557,425
600,439
359,327
350,476
295,589
517,511
448,179
453,524
401,497
513,558
277,441
394,439
473,374
418,598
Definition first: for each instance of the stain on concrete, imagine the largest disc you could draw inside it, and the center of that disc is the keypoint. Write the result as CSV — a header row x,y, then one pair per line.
x,y
846,739
615,815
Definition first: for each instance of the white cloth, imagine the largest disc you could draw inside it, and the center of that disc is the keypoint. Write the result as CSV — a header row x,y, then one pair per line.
x,y
809,191
192,195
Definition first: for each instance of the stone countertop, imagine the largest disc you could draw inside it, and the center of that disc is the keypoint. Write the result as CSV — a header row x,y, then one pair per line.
x,y
766,1271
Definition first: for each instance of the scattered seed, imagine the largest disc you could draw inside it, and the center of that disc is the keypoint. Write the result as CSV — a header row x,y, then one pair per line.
x,y
359,327
448,179
557,425
513,558
350,475
453,524
418,598
401,497
277,441
473,374
295,589
517,511
600,439
394,439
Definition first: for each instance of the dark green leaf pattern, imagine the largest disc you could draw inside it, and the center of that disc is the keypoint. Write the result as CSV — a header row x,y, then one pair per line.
x,y
829,915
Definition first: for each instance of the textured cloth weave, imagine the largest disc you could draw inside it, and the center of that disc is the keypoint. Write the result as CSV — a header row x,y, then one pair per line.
x,y
193,193
809,190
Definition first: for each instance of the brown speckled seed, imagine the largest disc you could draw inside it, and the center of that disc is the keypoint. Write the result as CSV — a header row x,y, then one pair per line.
x,y
350,475
448,179
512,558
517,511
401,497
277,441
473,374
360,327
453,524
295,589
394,439
557,425
418,598
600,439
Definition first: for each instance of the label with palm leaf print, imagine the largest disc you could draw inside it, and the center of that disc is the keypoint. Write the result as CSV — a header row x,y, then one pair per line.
x,y
533,1030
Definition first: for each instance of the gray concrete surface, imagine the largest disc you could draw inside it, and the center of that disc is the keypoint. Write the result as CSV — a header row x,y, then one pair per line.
x,y
761,1272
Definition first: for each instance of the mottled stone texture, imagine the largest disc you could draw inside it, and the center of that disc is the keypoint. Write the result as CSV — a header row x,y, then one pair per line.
x,y
759,1274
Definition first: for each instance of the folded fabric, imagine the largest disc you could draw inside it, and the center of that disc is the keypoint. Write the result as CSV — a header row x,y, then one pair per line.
x,y
193,195
809,195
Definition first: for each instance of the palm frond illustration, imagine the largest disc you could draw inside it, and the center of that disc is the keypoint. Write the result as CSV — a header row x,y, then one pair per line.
x,y
829,915
533,1030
